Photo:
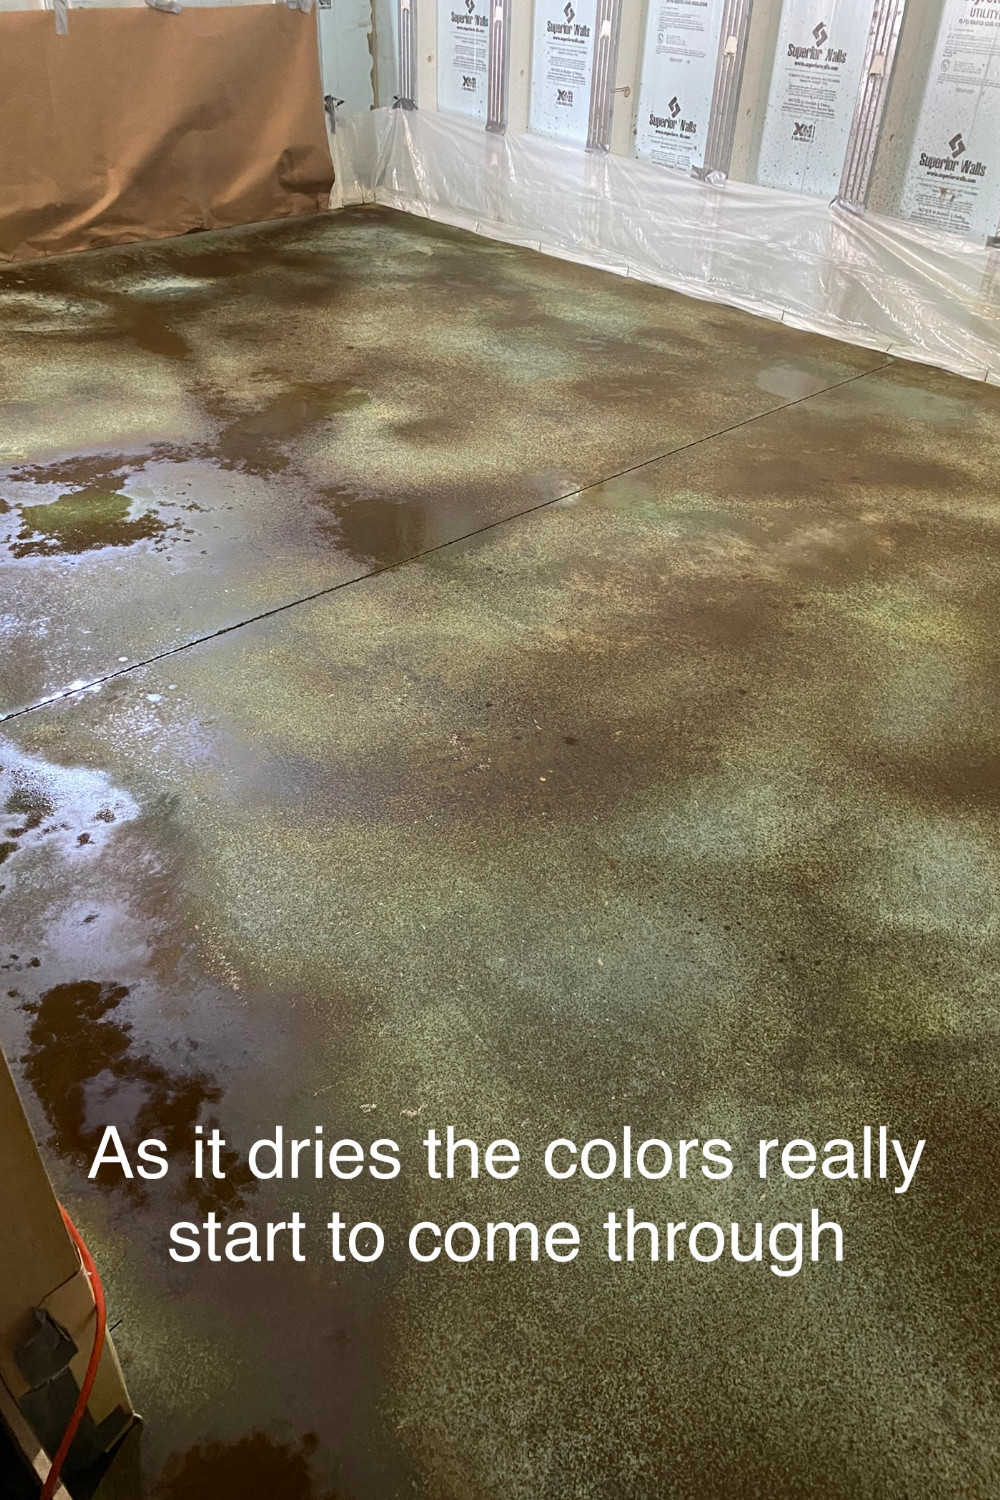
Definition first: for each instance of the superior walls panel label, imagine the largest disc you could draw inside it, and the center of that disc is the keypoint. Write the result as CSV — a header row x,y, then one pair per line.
x,y
814,88
678,78
463,56
562,66
953,178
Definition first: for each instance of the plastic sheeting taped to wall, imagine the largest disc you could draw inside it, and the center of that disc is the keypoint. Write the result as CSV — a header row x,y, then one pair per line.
x,y
679,58
562,67
463,56
953,178
874,281
156,124
818,68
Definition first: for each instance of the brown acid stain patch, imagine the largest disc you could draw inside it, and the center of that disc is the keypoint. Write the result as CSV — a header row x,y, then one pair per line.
x,y
431,430
233,310
199,260
30,804
144,324
824,464
85,472
252,441
256,440
117,316
82,1059
256,1467
153,332
663,651
373,531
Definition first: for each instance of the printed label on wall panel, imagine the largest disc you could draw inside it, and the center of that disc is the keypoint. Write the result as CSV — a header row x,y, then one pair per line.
x,y
953,179
562,66
678,79
814,88
463,55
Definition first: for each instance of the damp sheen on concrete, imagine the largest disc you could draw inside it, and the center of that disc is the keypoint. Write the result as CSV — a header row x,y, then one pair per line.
x,y
674,802
265,402
44,805
82,521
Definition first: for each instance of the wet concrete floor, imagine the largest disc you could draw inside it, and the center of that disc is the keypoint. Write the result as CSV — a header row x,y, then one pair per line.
x,y
658,786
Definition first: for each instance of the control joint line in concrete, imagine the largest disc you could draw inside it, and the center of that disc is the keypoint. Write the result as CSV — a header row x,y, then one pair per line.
x,y
335,588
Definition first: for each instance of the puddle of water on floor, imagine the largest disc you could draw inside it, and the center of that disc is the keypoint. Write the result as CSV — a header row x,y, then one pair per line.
x,y
83,521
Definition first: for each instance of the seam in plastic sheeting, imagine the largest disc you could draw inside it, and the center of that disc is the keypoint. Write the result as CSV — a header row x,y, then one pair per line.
x,y
872,281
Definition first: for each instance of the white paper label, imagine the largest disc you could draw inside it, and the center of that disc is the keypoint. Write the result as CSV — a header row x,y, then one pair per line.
x,y
814,89
562,67
953,178
678,79
463,56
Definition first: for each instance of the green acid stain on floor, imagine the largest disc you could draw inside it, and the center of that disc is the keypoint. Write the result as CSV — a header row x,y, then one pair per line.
x,y
268,375
671,804
82,521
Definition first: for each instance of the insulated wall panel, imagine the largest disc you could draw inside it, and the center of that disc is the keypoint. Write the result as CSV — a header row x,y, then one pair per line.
x,y
562,68
140,124
814,88
463,56
953,178
874,281
677,80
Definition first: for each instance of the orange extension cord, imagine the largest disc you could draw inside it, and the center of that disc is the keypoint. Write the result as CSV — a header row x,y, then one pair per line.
x,y
95,1358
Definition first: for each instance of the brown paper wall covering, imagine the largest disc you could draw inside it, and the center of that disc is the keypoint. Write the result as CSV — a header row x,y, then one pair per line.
x,y
140,124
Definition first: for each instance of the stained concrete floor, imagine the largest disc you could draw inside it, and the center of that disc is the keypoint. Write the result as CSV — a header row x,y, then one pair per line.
x,y
658,785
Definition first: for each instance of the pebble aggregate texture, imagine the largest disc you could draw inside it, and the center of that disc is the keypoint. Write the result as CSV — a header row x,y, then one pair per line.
x,y
444,685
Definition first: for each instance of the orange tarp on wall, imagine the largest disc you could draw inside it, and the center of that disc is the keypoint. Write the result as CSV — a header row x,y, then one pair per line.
x,y
141,124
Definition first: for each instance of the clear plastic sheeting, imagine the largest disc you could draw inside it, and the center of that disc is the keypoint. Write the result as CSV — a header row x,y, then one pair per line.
x,y
873,281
